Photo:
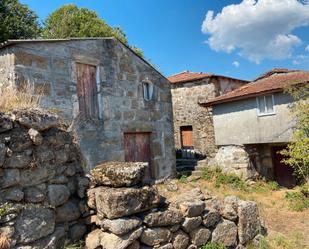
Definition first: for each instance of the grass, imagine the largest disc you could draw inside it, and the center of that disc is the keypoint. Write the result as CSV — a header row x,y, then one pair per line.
x,y
4,208
298,200
213,245
70,245
4,242
183,179
19,98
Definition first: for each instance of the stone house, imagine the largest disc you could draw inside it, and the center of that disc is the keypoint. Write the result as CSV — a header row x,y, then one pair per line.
x,y
193,124
253,123
118,105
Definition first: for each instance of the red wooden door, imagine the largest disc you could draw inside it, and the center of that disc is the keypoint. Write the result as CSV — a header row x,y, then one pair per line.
x,y
87,91
186,136
137,149
283,173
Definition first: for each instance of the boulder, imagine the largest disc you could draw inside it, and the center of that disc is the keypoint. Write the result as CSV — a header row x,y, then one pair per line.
x,y
18,160
200,236
35,136
93,239
213,204
225,233
155,236
118,174
248,221
6,123
39,174
112,241
13,194
229,212
190,224
36,119
163,218
192,209
211,219
2,153
68,212
11,177
180,240
34,194
34,223
118,202
120,226
57,195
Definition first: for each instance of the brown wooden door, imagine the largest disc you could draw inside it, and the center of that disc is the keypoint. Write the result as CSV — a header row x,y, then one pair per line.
x,y
186,133
137,149
87,91
283,173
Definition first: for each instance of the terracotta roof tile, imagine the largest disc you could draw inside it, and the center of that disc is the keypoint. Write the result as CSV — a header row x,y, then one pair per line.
x,y
188,76
272,81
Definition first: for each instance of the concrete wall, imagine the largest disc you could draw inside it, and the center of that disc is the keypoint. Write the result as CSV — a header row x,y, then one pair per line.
x,y
6,66
187,111
51,67
238,123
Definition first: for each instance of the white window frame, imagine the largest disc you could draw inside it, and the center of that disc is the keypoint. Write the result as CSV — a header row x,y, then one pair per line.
x,y
258,105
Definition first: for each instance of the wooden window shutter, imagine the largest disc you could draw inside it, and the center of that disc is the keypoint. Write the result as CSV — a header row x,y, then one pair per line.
x,y
87,91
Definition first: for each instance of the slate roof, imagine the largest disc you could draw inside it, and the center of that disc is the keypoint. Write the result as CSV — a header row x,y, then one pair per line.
x,y
273,81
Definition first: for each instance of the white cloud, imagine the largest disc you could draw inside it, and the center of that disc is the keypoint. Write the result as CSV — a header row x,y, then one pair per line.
x,y
307,48
300,59
258,29
236,64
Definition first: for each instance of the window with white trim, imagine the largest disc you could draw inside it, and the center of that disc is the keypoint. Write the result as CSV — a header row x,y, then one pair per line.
x,y
147,91
265,105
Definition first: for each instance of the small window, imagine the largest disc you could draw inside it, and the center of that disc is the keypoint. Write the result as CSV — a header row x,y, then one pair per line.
x,y
147,91
265,105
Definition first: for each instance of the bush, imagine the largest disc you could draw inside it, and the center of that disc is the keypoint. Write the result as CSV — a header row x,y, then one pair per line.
x,y
213,245
208,174
231,180
298,200
183,179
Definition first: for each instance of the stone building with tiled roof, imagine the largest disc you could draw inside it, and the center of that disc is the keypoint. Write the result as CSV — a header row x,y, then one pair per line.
x,y
254,121
193,126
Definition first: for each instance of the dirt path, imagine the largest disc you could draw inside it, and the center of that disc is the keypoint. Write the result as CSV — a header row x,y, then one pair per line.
x,y
282,223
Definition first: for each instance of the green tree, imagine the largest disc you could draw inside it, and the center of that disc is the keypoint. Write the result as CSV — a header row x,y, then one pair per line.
x,y
297,152
17,21
71,21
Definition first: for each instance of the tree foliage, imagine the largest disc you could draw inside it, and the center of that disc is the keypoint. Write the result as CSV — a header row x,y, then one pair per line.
x,y
71,21
297,152
17,21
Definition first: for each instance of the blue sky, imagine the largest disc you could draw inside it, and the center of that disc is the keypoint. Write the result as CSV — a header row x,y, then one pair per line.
x,y
246,39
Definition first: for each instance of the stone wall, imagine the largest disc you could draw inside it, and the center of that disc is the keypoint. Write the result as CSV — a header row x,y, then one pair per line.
x,y
42,187
51,67
187,111
128,214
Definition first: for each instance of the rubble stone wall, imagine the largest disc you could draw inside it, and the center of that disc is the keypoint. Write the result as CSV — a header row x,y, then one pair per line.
x,y
129,215
42,187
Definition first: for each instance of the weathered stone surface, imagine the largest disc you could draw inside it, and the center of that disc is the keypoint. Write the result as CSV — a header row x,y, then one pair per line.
x,y
36,119
112,241
134,245
11,177
163,218
213,204
116,203
2,153
34,223
35,136
37,175
193,195
155,236
118,174
77,231
248,221
13,194
6,123
190,224
91,197
225,233
93,239
180,240
57,194
200,236
166,246
211,219
18,160
67,212
34,195
59,180
192,209
7,218
82,185
120,226
229,212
